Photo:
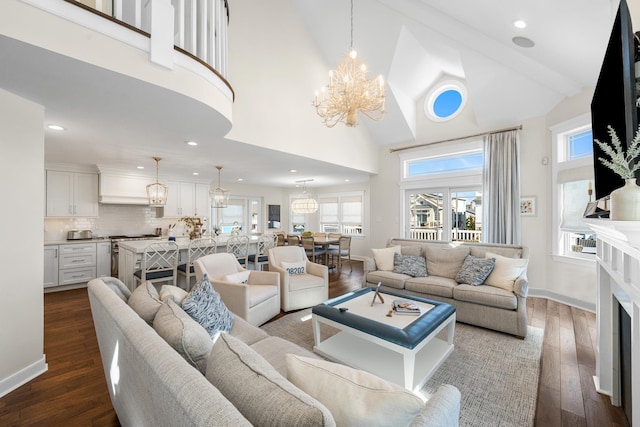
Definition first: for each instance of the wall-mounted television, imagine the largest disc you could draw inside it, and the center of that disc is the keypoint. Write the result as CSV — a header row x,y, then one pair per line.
x,y
614,99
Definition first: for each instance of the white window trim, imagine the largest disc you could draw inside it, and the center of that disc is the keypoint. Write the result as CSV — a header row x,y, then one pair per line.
x,y
558,131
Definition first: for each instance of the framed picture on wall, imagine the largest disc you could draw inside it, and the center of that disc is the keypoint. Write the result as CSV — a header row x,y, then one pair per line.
x,y
528,206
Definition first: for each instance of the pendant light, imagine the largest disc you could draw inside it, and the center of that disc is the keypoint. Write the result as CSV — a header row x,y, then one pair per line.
x,y
156,192
304,204
219,197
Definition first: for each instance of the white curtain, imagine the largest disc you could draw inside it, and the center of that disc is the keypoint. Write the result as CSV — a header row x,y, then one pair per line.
x,y
501,182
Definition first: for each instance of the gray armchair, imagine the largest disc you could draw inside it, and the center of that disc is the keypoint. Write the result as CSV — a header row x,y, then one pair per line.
x,y
256,301
299,290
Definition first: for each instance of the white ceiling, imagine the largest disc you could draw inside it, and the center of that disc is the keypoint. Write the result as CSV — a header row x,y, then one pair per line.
x,y
115,121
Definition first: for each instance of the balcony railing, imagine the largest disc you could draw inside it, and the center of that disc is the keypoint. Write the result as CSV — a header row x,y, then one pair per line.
x,y
436,234
195,27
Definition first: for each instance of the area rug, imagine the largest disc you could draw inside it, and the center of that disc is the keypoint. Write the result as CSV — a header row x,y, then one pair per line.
x,y
497,374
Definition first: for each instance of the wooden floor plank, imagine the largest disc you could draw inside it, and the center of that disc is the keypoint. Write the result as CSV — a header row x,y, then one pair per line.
x,y
73,392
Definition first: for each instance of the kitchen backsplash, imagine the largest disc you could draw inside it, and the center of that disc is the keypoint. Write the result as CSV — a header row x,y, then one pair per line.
x,y
112,220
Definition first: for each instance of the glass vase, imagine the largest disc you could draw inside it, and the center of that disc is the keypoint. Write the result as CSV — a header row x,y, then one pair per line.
x,y
625,202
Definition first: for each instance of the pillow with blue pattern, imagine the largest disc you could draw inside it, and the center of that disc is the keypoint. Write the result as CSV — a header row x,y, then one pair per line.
x,y
474,270
414,266
293,268
205,306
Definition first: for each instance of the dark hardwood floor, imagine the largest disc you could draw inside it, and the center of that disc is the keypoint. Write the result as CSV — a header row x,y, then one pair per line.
x,y
73,392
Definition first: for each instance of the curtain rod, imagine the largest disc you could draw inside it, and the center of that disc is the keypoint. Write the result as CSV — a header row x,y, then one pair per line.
x,y
393,150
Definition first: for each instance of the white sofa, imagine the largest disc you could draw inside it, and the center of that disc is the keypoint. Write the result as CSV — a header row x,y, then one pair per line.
x,y
151,384
490,307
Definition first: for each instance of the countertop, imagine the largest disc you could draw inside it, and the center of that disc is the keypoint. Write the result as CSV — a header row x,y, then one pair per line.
x,y
76,242
138,246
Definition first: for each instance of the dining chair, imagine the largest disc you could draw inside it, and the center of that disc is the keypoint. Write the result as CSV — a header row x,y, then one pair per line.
x,y
314,253
293,240
239,247
282,239
197,248
159,263
261,257
341,252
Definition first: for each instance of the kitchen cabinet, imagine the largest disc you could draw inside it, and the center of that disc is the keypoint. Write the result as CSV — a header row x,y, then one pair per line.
x,y
71,194
103,259
187,199
50,266
77,263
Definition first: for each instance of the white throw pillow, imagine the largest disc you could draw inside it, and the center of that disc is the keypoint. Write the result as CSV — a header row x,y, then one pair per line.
x,y
239,277
174,293
506,271
384,257
354,397
293,268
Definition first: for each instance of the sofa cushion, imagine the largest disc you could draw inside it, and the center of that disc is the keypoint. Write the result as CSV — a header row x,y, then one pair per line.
x,y
384,257
414,266
174,293
445,261
145,301
205,306
295,268
431,285
411,250
486,295
387,278
246,332
506,271
475,270
274,348
480,251
258,391
354,397
239,277
184,334
300,282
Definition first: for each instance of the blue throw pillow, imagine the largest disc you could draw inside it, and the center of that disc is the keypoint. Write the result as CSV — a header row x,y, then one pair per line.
x,y
475,270
205,306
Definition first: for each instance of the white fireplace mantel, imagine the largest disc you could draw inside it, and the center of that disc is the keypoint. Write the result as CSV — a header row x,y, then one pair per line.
x,y
618,277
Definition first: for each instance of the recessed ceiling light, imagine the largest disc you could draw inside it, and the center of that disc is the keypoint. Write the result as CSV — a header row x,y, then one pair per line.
x,y
196,173
240,179
140,167
523,42
293,170
519,24
55,127
347,180
192,143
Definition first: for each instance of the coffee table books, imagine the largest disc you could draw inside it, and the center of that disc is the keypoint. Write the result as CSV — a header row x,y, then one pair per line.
x,y
404,349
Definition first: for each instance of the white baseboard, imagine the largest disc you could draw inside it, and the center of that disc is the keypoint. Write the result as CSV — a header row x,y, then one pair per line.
x,y
23,376
543,293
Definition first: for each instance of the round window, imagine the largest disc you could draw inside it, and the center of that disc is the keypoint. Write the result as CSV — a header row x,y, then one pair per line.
x,y
445,101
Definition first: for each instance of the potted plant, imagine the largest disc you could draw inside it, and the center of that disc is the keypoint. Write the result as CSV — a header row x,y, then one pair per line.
x,y
625,201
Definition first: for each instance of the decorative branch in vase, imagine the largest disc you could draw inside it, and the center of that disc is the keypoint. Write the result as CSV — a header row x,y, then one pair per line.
x,y
194,226
625,201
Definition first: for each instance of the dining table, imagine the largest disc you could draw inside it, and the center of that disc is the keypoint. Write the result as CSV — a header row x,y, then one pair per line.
x,y
325,242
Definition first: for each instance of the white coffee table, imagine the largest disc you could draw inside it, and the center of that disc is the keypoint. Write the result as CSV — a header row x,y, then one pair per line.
x,y
402,349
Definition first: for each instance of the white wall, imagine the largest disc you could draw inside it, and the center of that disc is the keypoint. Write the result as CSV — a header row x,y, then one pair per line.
x,y
22,193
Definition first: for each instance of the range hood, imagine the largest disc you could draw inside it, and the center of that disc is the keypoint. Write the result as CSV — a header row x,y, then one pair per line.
x,y
120,188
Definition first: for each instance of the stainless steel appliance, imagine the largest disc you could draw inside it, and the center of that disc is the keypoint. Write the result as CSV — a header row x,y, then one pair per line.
x,y
115,240
79,235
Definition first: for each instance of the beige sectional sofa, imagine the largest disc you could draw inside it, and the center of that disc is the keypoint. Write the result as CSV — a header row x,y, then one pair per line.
x,y
498,303
161,372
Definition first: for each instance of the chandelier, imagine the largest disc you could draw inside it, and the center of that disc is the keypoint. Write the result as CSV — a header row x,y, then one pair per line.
x,y
219,196
304,204
156,192
349,92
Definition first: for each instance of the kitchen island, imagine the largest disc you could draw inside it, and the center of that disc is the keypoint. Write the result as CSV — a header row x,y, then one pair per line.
x,y
131,254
